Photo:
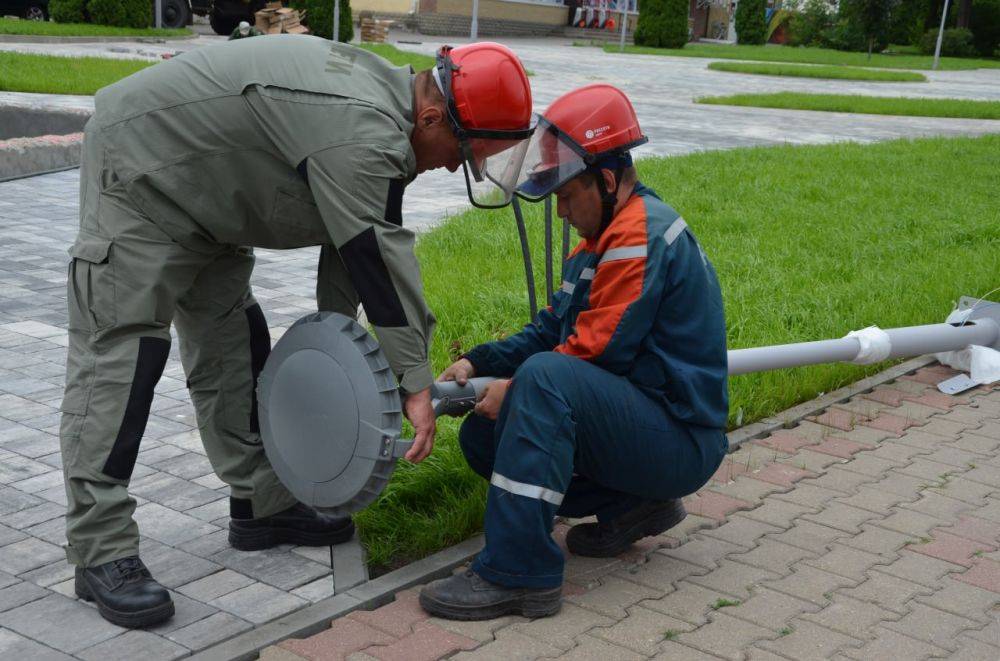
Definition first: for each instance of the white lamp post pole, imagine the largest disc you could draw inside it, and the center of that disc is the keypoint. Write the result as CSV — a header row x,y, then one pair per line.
x,y
937,48
474,31
336,20
158,19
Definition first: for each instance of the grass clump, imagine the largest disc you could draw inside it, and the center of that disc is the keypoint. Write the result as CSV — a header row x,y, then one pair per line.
x,y
810,56
724,603
809,242
671,634
50,29
817,71
49,74
872,105
400,57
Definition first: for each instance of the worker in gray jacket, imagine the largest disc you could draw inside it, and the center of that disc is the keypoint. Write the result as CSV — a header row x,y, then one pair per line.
x,y
283,142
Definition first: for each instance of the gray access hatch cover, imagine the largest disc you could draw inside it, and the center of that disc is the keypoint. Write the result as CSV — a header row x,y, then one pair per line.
x,y
330,414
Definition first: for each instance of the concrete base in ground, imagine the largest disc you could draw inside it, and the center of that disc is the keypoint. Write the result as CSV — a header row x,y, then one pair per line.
x,y
22,157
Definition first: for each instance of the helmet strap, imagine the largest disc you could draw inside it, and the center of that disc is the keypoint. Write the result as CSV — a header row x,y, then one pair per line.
x,y
608,198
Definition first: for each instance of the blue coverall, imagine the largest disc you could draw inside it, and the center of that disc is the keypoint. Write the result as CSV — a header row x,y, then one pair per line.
x,y
619,392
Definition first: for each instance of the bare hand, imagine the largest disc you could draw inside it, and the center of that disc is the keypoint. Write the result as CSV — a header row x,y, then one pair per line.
x,y
460,371
491,400
420,413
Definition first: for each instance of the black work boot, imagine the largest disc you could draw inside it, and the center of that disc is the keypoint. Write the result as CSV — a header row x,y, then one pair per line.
x,y
469,596
125,592
610,538
299,524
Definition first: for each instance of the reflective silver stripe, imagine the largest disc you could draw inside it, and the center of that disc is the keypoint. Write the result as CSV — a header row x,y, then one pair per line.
x,y
675,230
625,252
526,490
587,274
568,287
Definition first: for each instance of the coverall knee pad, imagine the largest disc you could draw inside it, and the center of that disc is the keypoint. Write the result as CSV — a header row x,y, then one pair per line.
x,y
477,440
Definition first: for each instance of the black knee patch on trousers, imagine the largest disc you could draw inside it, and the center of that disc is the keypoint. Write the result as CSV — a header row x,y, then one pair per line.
x,y
149,366
260,348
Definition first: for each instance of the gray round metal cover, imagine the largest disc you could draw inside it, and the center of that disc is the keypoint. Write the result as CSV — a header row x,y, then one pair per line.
x,y
330,413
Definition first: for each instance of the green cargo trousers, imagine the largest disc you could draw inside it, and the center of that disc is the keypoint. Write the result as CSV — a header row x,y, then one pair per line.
x,y
127,282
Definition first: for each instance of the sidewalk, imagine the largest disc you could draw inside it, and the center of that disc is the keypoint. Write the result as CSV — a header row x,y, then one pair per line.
x,y
868,532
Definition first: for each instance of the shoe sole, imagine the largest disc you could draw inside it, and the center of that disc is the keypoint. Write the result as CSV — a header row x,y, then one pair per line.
x,y
129,620
266,538
641,529
532,606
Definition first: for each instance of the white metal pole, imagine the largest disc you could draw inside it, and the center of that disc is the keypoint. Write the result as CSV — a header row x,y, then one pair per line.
x,y
158,19
474,30
621,43
336,20
937,48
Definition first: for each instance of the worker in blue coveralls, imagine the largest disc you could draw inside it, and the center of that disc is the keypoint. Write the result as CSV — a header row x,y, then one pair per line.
x,y
613,402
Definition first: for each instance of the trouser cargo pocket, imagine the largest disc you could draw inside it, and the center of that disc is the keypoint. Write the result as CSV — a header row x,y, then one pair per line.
x,y
91,283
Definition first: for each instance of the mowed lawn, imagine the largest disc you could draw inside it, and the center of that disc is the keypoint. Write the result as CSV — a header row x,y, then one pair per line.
x,y
873,105
817,71
809,243
48,74
810,56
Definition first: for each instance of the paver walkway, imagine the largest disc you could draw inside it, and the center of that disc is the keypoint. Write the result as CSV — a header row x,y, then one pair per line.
x,y
870,531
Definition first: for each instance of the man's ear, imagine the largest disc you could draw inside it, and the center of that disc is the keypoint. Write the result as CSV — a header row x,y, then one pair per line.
x,y
610,184
430,116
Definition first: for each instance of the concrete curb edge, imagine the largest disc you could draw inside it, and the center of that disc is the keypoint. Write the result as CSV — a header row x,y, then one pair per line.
x,y
49,39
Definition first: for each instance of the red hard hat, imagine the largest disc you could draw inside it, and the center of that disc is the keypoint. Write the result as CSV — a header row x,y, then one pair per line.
x,y
592,127
489,87
599,118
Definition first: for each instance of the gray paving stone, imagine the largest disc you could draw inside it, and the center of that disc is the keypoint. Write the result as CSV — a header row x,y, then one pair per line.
x,y
56,572
186,611
563,629
258,603
168,526
61,623
19,594
173,567
210,630
134,645
27,554
15,646
215,585
275,567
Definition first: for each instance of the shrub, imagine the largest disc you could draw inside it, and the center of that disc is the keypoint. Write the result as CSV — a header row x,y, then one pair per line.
x,y
319,17
121,13
805,27
751,21
68,11
906,24
957,42
663,24
985,23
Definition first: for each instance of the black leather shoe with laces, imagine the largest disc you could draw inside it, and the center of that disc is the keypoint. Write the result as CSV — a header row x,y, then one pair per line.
x,y
125,593
469,596
299,524
607,539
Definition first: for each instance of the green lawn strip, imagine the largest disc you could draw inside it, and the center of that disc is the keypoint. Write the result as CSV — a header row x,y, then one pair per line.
x,y
400,57
49,29
817,71
810,56
810,242
872,105
48,74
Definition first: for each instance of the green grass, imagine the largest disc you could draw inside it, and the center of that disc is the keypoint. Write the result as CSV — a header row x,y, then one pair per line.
x,y
48,74
724,603
872,105
809,243
49,29
817,71
400,57
810,56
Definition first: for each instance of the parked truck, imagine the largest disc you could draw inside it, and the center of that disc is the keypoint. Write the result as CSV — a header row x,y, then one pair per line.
x,y
224,15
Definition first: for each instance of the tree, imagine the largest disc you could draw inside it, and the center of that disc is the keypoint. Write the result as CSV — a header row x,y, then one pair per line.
x,y
663,24
751,21
870,17
986,26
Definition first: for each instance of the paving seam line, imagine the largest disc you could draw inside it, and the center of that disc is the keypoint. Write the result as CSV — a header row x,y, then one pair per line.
x,y
380,591
49,39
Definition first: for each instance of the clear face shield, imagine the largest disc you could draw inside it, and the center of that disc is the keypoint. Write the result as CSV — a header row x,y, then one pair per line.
x,y
491,158
551,159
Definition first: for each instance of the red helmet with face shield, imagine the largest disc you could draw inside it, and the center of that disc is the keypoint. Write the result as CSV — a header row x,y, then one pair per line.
x,y
489,107
591,127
